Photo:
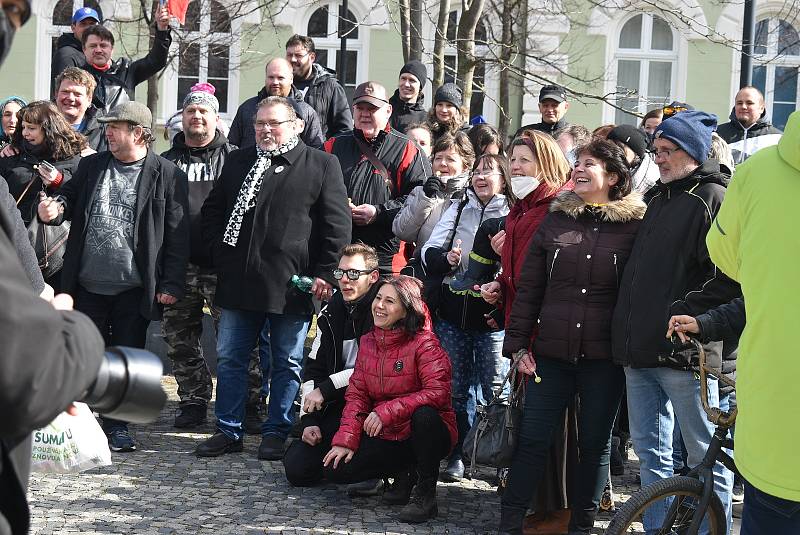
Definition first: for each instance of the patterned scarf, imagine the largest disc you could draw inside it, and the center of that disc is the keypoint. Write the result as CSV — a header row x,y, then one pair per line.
x,y
248,193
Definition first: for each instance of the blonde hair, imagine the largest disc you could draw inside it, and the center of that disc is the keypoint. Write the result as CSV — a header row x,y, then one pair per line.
x,y
553,166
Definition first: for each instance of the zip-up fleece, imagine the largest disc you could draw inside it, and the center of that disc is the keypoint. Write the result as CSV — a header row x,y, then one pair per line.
x,y
670,272
744,142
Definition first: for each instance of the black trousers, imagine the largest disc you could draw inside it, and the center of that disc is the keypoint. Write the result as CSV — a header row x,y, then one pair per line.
x,y
118,319
302,463
377,458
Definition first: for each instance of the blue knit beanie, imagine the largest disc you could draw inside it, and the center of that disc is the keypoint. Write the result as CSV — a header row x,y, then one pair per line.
x,y
691,131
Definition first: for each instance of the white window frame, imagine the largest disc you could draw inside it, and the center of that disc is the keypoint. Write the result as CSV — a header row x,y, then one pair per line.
x,y
645,55
332,44
771,60
167,104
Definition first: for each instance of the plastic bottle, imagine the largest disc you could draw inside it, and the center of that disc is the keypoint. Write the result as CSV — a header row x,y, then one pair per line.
x,y
302,283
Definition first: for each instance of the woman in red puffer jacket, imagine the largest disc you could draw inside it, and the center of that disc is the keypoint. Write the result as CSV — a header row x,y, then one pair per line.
x,y
398,420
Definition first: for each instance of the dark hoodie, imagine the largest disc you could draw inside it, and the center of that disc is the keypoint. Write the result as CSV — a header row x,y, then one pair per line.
x,y
202,166
670,272
405,114
744,142
69,53
243,135
323,92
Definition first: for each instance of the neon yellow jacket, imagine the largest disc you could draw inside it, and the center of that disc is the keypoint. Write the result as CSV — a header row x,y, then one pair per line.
x,y
755,240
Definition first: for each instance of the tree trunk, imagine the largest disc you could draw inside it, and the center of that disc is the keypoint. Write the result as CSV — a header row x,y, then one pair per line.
x,y
415,46
439,43
466,46
405,29
507,36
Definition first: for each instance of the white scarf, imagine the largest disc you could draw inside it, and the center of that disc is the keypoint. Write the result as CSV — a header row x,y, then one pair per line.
x,y
248,193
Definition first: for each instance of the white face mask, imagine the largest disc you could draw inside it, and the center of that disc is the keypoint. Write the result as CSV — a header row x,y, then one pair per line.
x,y
521,186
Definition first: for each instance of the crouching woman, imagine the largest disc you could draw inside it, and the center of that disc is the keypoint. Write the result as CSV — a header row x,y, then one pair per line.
x,y
398,420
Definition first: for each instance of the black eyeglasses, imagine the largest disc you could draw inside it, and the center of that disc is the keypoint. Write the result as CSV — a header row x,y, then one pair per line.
x,y
352,274
260,125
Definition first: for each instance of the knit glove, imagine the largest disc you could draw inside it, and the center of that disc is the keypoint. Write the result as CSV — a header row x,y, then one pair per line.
x,y
432,187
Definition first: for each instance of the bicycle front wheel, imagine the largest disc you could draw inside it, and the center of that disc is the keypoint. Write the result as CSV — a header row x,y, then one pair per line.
x,y
686,493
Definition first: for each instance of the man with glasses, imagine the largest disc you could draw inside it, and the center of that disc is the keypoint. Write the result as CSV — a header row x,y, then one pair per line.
x,y
327,371
670,273
278,209
381,166
318,86
69,50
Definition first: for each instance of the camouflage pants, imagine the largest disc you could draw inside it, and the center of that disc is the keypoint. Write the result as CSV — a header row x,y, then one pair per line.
x,y
182,327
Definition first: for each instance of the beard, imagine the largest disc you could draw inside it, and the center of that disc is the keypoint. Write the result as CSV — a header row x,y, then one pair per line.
x,y
197,133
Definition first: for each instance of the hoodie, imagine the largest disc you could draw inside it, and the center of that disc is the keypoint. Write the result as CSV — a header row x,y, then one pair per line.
x,y
69,53
405,114
744,142
669,272
202,166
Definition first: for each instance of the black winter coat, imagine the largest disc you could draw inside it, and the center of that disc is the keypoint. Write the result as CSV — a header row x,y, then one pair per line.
x,y
202,165
300,222
118,84
746,141
69,53
42,371
408,167
569,282
547,128
335,322
405,114
326,95
243,135
18,171
161,229
670,272
94,131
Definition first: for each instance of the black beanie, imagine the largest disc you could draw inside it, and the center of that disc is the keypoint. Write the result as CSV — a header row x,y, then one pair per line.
x,y
449,92
631,136
416,68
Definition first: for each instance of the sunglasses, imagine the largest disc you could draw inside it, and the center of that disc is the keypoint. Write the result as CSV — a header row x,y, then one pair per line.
x,y
669,111
352,274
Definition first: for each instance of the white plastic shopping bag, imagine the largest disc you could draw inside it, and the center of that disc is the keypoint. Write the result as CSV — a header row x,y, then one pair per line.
x,y
70,444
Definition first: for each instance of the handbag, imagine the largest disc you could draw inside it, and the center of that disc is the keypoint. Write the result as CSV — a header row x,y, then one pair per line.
x,y
49,241
493,437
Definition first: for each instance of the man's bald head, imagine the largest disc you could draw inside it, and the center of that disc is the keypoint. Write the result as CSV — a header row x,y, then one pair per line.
x,y
279,78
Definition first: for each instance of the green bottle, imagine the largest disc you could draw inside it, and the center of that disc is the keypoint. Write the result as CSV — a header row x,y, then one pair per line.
x,y
302,283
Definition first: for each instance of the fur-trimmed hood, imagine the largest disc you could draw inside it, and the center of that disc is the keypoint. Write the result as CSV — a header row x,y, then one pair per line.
x,y
626,209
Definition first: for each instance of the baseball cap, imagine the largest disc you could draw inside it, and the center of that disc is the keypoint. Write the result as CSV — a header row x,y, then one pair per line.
x,y
85,13
555,92
130,112
371,93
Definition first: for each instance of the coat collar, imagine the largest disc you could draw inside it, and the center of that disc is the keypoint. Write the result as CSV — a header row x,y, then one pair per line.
x,y
628,208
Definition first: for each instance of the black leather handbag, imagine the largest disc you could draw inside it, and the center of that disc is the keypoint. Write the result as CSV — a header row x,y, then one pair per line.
x,y
493,437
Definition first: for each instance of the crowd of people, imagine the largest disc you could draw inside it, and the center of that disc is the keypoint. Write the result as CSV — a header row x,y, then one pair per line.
x,y
431,251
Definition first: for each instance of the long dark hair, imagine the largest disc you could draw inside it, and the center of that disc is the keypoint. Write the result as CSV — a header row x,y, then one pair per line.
x,y
409,289
613,158
61,142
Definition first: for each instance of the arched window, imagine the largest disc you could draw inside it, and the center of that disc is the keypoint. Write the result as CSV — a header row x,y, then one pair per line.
x,y
204,51
62,18
646,61
777,58
325,25
477,103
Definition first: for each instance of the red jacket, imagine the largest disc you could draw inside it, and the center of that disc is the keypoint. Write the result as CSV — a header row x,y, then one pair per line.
x,y
394,375
521,224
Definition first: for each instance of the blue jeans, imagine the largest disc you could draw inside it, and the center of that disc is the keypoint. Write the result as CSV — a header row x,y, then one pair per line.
x,y
472,354
765,514
239,332
657,397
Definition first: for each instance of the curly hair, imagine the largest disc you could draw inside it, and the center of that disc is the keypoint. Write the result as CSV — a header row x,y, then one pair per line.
x,y
409,289
450,127
60,140
614,163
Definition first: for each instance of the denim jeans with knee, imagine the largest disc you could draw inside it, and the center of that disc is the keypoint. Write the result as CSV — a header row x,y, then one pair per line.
x,y
239,331
473,354
657,397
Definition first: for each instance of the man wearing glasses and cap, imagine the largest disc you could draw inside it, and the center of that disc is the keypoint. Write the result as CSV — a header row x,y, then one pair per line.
x,y
69,50
381,166
553,106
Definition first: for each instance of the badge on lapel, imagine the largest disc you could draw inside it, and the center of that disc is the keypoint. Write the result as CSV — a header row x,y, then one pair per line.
x,y
279,169
398,366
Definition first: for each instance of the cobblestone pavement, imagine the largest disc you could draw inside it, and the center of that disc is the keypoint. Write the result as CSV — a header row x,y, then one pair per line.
x,y
164,489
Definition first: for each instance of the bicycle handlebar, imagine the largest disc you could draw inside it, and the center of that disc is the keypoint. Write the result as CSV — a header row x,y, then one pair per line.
x,y
715,415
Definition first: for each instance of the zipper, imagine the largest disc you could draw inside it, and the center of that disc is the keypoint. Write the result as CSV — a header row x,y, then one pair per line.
x,y
553,265
383,358
616,270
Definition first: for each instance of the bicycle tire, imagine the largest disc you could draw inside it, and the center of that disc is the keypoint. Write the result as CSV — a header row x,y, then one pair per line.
x,y
631,511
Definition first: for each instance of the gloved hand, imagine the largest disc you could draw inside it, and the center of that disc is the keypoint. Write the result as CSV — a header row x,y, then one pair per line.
x,y
432,187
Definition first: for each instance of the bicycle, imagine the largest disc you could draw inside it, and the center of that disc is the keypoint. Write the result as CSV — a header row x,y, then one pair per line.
x,y
693,494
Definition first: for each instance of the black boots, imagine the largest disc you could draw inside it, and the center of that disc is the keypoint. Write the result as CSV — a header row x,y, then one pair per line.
x,y
399,493
511,519
423,505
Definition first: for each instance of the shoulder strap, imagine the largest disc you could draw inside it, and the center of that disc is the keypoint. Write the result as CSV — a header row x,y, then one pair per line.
x,y
21,195
461,206
367,151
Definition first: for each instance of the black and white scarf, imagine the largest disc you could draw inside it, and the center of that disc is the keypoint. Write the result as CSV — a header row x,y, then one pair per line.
x,y
248,193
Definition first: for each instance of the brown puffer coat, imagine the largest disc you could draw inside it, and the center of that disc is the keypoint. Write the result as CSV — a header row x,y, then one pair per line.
x,y
395,374
569,282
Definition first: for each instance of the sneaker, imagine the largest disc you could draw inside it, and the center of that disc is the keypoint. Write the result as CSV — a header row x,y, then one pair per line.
x,y
120,440
454,471
271,448
218,444
190,416
737,495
